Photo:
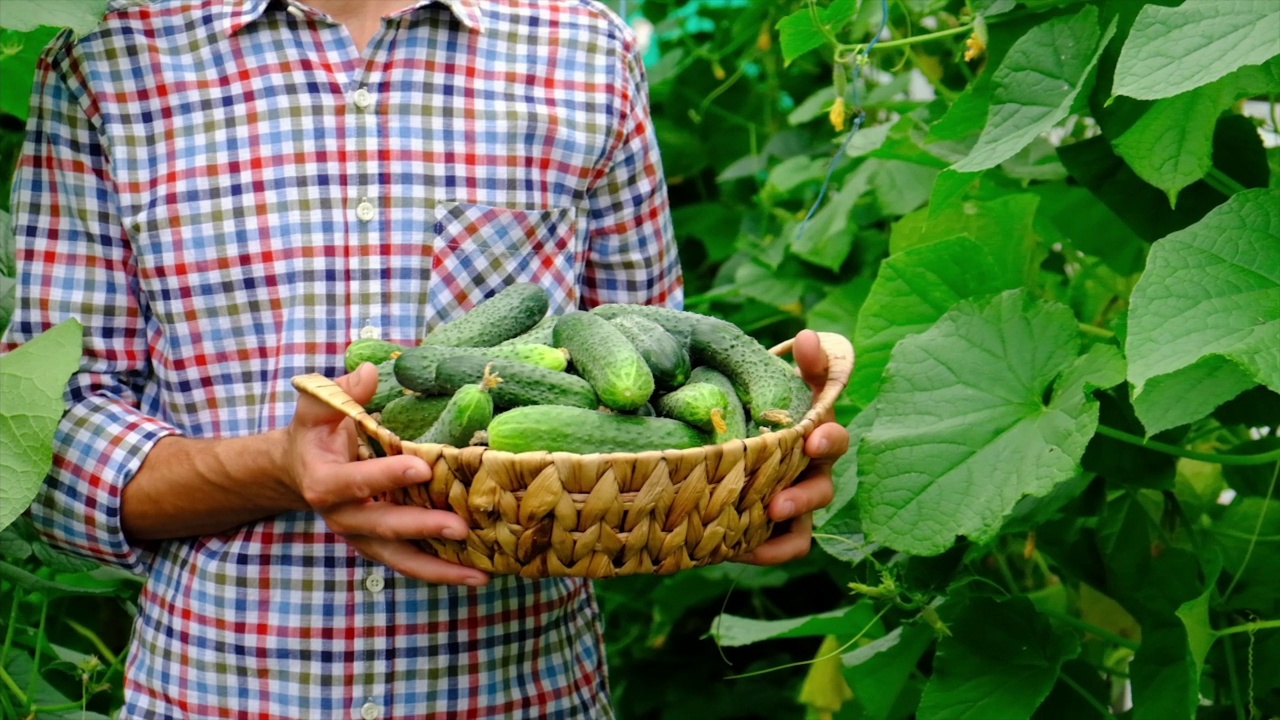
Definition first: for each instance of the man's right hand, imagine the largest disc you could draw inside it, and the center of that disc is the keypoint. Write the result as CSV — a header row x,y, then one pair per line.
x,y
320,461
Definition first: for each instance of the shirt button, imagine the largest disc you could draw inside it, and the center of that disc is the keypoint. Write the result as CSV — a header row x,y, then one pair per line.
x,y
369,711
374,583
364,211
363,98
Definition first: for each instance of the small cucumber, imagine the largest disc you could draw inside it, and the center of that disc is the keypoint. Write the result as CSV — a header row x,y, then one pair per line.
x,y
701,405
371,350
679,323
388,387
468,412
578,430
763,385
522,384
667,357
735,417
606,359
409,416
512,311
801,398
416,367
539,334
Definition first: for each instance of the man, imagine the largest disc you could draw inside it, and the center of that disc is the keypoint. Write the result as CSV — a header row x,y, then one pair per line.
x,y
226,193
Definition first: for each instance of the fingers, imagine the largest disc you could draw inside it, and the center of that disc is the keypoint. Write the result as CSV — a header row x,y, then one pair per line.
x,y
360,384
828,442
815,488
388,521
792,545
327,484
810,358
407,559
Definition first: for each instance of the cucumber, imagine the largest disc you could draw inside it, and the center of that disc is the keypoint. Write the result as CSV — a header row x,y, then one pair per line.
x,y
522,384
735,417
762,384
469,411
679,323
606,359
701,405
416,367
539,334
409,416
510,312
801,396
667,357
388,387
578,430
371,350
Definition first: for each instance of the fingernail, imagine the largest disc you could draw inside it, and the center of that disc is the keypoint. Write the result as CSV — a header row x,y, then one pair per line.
x,y
821,446
454,533
786,508
415,473
476,580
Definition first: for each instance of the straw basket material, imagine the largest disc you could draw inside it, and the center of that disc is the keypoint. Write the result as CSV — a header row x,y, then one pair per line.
x,y
542,514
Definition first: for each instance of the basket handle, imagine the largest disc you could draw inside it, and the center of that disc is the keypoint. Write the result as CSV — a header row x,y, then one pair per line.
x,y
330,393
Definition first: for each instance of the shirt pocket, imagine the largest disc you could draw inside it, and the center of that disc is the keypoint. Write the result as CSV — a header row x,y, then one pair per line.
x,y
478,250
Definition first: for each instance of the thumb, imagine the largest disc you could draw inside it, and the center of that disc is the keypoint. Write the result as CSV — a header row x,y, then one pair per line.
x,y
360,384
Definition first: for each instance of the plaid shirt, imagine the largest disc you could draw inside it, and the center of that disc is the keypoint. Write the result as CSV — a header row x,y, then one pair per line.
x,y
226,194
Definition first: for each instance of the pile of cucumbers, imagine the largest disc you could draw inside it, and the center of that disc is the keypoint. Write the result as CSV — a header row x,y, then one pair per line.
x,y
616,378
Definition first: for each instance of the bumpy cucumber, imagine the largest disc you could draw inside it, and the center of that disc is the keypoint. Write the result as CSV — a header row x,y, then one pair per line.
x,y
667,357
416,367
801,398
608,361
409,416
522,384
679,323
371,350
701,405
388,387
735,417
469,411
583,431
763,385
510,312
539,334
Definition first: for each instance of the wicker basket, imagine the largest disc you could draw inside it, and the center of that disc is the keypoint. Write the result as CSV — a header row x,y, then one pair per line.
x,y
542,514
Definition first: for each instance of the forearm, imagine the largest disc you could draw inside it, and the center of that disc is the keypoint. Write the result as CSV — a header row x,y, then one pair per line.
x,y
188,487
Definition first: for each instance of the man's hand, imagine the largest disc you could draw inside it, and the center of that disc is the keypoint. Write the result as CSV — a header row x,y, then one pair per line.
x,y
321,463
814,488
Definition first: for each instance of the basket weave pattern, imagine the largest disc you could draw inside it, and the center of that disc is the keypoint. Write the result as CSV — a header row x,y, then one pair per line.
x,y
544,514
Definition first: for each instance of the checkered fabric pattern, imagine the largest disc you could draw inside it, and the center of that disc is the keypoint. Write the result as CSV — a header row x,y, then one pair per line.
x,y
226,194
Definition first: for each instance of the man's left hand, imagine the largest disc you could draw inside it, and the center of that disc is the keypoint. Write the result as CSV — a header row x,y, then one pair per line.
x,y
814,488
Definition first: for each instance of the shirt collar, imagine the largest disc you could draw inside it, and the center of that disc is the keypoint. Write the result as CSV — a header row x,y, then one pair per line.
x,y
244,12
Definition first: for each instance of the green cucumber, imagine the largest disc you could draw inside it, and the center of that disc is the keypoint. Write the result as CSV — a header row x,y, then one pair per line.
x,y
701,405
409,416
416,367
539,334
679,323
667,357
469,411
735,417
606,359
801,396
510,312
578,430
388,387
522,384
762,384
372,350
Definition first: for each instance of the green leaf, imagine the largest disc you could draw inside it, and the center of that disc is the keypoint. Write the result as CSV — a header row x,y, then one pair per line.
x,y
79,15
902,186
1206,312
1035,86
880,671
828,236
798,34
1171,50
734,631
32,379
1090,226
1000,661
963,430
1250,522
19,68
977,248
1194,615
824,689
837,310
713,225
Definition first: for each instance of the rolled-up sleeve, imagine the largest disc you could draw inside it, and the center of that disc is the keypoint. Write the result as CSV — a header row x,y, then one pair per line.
x,y
74,261
631,252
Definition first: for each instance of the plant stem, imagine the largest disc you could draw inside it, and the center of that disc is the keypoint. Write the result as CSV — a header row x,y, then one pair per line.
x,y
1006,573
13,686
1253,540
58,708
903,42
40,640
1079,624
13,622
1229,650
1259,459
1248,627
93,638
1102,709
829,655
1095,331
1223,182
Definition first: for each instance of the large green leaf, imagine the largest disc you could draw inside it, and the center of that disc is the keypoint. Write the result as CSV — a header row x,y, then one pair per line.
x,y
963,429
1036,85
1172,50
879,671
32,379
1000,661
79,15
966,249
733,631
1205,314
1250,529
